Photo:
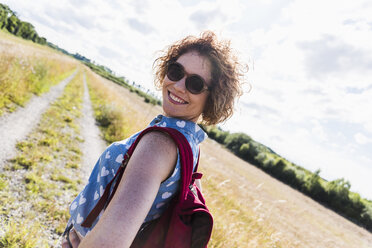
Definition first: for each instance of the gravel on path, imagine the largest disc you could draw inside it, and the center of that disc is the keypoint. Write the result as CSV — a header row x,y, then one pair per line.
x,y
93,144
15,126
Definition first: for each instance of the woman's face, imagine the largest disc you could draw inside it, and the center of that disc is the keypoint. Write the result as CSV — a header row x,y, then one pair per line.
x,y
177,100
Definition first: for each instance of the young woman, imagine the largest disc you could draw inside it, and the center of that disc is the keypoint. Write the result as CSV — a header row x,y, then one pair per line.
x,y
200,79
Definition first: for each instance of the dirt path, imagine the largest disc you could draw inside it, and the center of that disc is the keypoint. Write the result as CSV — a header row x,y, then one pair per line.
x,y
15,126
93,144
22,124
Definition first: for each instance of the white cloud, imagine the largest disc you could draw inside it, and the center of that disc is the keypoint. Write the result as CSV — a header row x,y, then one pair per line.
x,y
281,65
317,130
141,27
329,56
203,19
362,139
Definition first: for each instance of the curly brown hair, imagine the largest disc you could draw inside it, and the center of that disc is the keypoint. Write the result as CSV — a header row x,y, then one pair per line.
x,y
226,73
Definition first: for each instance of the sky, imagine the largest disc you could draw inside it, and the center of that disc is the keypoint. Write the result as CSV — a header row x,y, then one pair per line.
x,y
308,91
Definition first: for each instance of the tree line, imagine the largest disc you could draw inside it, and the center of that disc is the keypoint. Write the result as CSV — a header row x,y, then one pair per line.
x,y
335,194
10,21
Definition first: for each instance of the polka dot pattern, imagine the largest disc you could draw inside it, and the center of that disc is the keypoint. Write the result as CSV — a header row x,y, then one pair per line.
x,y
111,159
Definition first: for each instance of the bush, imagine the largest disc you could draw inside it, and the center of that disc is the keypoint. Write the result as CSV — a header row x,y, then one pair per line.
x,y
268,163
113,122
355,207
217,134
289,176
104,115
338,192
260,158
254,150
152,100
244,150
366,217
314,188
278,167
235,141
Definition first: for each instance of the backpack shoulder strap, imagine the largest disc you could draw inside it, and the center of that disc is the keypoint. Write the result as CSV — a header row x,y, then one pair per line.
x,y
186,159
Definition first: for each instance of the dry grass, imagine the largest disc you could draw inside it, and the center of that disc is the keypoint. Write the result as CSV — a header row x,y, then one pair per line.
x,y
278,211
27,69
114,109
23,48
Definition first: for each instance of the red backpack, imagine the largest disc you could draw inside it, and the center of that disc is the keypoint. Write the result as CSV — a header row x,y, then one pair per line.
x,y
187,221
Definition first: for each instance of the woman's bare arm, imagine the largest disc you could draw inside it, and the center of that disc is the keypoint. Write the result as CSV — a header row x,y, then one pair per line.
x,y
151,163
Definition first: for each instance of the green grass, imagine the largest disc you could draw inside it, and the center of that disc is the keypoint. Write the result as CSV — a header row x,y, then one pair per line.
x,y
3,182
72,165
24,145
5,197
35,183
59,176
22,162
19,235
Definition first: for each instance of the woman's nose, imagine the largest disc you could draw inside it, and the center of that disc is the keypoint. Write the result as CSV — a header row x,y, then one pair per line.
x,y
180,84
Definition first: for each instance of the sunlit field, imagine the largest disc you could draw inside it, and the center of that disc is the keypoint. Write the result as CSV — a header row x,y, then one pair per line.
x,y
250,208
28,69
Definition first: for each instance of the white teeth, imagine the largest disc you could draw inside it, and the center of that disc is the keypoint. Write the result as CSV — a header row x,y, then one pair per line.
x,y
173,97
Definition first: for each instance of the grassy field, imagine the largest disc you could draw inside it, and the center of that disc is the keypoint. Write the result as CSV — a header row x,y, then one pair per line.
x,y
28,69
250,208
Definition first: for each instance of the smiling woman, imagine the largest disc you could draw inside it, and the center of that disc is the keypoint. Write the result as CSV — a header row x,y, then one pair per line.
x,y
178,100
200,80
225,72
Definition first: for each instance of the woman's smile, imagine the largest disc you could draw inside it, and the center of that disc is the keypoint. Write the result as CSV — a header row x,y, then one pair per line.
x,y
175,99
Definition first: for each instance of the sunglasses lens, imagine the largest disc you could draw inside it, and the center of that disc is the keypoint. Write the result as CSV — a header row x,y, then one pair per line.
x,y
194,84
175,72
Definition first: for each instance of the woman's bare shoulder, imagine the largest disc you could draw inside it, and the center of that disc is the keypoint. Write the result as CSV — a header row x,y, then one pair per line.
x,y
161,139
157,151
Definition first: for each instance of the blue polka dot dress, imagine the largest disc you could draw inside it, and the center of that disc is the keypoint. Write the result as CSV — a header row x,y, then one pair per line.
x,y
111,159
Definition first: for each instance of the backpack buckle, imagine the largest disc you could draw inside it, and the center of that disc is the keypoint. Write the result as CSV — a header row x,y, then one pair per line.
x,y
193,190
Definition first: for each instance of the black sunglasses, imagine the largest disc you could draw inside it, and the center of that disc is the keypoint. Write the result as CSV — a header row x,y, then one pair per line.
x,y
194,83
